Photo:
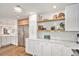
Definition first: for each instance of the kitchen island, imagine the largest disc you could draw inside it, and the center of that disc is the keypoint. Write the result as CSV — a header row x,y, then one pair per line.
x,y
53,47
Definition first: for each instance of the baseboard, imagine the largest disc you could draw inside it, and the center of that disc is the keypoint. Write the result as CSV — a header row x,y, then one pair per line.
x,y
6,45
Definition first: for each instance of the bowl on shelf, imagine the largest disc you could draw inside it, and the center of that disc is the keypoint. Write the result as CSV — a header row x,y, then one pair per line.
x,y
55,17
61,16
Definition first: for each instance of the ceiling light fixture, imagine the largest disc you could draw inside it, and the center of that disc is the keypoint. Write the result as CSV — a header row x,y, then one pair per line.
x,y
18,8
54,6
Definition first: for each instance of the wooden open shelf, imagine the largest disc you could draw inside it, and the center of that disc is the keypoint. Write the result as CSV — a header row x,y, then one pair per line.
x,y
49,20
51,30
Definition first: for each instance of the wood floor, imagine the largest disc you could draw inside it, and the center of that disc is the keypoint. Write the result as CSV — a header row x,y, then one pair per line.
x,y
12,50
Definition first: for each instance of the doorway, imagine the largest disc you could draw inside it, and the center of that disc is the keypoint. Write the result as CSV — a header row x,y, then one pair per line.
x,y
23,31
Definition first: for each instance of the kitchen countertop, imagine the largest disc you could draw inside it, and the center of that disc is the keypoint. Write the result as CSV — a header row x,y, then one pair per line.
x,y
66,43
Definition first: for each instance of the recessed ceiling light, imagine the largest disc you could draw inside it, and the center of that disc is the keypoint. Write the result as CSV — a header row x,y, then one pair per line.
x,y
32,13
54,6
18,8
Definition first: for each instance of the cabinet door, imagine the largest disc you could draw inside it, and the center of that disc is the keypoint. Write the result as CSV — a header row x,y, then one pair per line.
x,y
30,47
8,40
67,51
56,50
37,48
14,40
61,50
77,16
41,48
71,17
4,41
0,40
46,49
33,47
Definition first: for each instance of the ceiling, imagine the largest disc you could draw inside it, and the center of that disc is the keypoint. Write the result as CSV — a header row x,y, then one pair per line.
x,y
7,11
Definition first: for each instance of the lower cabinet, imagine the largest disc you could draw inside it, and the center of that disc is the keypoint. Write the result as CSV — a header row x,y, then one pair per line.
x,y
56,50
37,48
61,50
8,40
33,47
41,48
5,41
0,42
67,51
30,47
46,49
13,40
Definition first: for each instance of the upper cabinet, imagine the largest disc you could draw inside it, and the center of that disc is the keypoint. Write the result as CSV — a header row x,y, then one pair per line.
x,y
24,21
72,18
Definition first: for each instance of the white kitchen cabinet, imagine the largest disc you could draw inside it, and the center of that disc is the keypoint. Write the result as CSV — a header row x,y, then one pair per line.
x,y
67,51
8,40
30,47
72,18
78,17
56,50
37,48
0,41
61,50
13,40
33,47
42,48
46,49
4,41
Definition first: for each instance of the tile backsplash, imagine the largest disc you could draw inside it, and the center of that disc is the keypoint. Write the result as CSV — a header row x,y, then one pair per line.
x,y
70,36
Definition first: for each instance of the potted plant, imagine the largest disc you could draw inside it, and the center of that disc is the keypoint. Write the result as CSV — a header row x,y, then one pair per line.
x,y
62,25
